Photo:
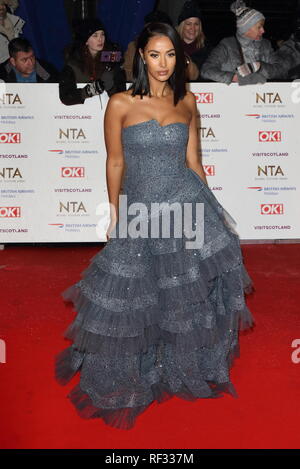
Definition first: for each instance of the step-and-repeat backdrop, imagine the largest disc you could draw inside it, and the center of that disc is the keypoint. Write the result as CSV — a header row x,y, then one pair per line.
x,y
53,171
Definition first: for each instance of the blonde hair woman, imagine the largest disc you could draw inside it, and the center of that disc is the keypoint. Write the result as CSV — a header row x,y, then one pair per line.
x,y
194,42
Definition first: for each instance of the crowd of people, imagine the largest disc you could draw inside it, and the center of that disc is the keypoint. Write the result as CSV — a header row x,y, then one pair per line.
x,y
245,58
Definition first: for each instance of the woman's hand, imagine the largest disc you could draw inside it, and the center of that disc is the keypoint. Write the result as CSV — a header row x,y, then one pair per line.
x,y
112,223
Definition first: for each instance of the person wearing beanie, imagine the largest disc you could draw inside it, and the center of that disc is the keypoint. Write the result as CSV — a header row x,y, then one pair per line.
x,y
246,58
195,45
92,59
156,16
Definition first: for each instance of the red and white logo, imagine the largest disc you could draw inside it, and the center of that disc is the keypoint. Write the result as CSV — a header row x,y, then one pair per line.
x,y
210,170
271,209
204,98
10,212
10,137
73,172
269,136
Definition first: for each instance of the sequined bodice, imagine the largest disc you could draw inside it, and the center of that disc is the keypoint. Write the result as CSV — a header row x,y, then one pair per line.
x,y
155,158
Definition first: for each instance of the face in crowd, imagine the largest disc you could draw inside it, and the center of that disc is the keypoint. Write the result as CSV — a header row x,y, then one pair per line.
x,y
256,32
96,41
191,29
3,10
24,62
160,57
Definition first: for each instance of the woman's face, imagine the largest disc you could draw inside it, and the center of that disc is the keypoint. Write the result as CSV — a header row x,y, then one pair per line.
x,y
256,32
95,42
160,57
191,29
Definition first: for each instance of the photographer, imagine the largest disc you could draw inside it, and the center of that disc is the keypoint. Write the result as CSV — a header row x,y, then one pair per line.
x,y
92,59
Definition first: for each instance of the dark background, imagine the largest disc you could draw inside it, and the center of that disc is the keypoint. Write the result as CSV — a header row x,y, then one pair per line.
x,y
48,22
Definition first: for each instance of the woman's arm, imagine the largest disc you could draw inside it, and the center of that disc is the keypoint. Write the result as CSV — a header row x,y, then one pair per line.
x,y
193,159
115,162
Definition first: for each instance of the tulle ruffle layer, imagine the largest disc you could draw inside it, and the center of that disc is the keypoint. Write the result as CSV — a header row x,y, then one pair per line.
x,y
156,320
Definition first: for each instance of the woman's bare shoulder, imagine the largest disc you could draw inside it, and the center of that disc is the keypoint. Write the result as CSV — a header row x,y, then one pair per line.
x,y
120,101
190,99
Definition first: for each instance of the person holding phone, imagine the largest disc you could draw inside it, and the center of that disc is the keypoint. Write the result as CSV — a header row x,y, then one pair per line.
x,y
94,60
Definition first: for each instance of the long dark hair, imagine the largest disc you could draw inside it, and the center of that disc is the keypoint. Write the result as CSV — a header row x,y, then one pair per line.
x,y
93,67
140,85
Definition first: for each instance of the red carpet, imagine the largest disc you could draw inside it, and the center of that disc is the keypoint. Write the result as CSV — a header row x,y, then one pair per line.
x,y
34,410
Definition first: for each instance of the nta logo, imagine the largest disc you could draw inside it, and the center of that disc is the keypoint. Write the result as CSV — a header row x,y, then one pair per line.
x,y
270,170
72,207
271,209
72,134
268,98
10,173
269,136
72,172
10,98
10,212
204,98
10,137
207,132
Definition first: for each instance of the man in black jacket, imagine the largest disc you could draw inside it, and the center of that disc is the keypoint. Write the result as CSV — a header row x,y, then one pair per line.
x,y
23,67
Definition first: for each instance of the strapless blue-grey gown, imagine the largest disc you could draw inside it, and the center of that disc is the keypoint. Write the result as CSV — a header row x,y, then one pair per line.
x,y
155,319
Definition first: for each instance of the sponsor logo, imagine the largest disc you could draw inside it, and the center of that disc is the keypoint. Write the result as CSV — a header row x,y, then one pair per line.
x,y
271,170
204,98
10,173
10,137
269,136
272,209
71,134
256,116
266,189
210,170
272,227
58,152
270,154
207,132
73,172
10,98
72,207
268,98
10,212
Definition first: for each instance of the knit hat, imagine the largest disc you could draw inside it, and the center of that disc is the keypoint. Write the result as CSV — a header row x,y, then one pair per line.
x,y
84,29
157,16
190,10
245,17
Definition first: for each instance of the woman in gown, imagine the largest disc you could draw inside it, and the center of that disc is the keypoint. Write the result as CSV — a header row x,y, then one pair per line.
x,y
155,317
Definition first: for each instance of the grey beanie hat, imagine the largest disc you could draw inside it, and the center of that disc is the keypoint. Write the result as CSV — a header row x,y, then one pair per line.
x,y
245,17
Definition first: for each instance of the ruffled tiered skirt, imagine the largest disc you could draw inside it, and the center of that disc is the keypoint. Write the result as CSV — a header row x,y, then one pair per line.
x,y
156,320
